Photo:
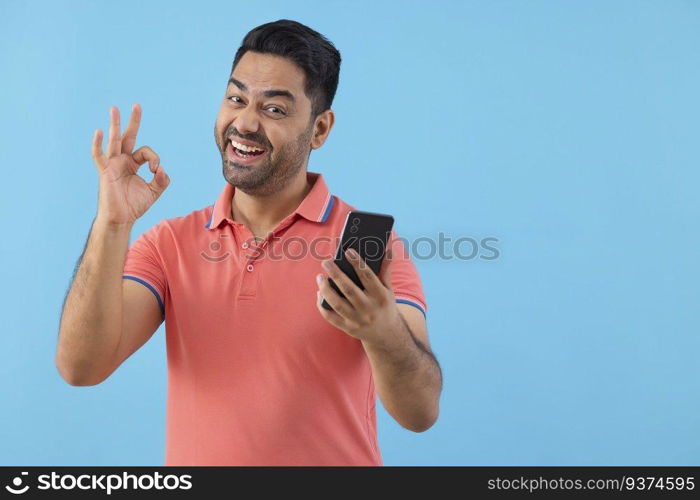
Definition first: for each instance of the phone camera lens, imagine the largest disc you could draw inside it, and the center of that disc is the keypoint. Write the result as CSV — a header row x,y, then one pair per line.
x,y
353,229
356,221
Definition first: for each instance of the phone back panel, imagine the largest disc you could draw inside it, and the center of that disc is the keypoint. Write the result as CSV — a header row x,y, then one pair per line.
x,y
368,234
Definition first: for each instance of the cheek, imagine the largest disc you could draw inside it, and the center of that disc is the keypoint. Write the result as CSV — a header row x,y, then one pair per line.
x,y
282,142
219,124
223,119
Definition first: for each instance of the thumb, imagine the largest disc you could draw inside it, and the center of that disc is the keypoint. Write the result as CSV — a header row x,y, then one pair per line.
x,y
160,181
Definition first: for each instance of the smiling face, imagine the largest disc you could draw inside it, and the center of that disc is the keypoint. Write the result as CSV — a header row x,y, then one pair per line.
x,y
265,107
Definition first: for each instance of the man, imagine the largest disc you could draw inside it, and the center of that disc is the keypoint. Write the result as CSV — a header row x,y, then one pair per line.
x,y
259,373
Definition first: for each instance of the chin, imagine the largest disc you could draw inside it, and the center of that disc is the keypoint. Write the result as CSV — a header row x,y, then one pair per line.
x,y
247,178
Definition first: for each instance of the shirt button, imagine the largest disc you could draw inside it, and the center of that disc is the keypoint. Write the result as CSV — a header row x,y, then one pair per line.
x,y
245,244
250,268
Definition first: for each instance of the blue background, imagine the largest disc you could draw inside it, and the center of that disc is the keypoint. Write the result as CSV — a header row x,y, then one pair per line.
x,y
567,130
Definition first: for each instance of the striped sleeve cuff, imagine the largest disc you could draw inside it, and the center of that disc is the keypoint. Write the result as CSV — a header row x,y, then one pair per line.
x,y
411,302
151,288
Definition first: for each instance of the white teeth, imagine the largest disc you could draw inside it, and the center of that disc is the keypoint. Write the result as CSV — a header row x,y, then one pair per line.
x,y
243,147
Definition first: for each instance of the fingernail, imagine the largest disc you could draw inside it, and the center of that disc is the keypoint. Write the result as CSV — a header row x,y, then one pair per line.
x,y
319,278
351,253
326,265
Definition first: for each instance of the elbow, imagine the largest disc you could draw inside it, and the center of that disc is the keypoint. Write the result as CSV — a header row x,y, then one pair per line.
x,y
75,377
422,424
79,381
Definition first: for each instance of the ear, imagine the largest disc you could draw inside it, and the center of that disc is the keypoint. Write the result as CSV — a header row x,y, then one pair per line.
x,y
322,127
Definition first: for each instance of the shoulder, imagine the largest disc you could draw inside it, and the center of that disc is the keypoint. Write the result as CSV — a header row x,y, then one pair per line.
x,y
338,212
339,208
181,227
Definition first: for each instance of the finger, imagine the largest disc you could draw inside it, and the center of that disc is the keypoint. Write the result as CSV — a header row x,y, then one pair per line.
x,y
97,153
372,284
386,269
132,129
332,317
353,293
114,146
145,154
338,303
160,181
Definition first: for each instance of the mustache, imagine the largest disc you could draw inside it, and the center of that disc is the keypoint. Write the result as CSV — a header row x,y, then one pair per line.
x,y
257,140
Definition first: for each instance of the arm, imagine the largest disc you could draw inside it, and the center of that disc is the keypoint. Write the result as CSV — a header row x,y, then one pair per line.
x,y
406,373
104,318
91,321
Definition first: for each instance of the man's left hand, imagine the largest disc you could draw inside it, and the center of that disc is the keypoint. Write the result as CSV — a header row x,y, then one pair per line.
x,y
370,315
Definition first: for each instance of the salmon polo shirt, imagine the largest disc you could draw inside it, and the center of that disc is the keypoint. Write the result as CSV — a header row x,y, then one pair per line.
x,y
256,376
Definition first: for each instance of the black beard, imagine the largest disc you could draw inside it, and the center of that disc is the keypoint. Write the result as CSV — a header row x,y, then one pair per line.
x,y
274,173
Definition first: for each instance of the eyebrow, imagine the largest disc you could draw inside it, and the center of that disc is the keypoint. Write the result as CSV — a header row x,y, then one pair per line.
x,y
266,93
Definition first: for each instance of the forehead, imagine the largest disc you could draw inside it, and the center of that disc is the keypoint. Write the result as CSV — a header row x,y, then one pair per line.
x,y
263,71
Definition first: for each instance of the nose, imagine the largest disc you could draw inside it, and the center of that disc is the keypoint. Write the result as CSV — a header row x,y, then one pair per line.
x,y
246,121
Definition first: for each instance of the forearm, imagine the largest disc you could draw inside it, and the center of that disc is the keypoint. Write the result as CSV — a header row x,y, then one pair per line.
x,y
91,320
407,378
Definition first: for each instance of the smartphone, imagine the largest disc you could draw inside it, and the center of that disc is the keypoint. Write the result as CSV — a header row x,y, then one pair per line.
x,y
367,233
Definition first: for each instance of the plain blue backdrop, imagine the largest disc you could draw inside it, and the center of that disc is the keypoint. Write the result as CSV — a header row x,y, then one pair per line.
x,y
566,130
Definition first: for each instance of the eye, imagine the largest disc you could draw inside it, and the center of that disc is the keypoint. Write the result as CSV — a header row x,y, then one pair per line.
x,y
279,111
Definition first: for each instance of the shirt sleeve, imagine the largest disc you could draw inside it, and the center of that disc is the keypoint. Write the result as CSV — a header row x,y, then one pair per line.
x,y
405,279
144,264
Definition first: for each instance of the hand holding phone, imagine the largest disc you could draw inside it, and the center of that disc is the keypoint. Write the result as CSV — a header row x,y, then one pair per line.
x,y
367,233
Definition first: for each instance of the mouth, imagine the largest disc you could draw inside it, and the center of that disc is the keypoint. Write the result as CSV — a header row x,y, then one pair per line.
x,y
243,153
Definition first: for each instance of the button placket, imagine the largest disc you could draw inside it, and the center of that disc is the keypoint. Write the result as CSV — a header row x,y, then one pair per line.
x,y
254,252
248,277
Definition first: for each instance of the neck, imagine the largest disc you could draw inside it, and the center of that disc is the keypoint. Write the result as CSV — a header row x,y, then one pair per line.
x,y
261,214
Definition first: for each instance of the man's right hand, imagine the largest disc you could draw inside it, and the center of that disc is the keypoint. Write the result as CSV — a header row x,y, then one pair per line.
x,y
123,195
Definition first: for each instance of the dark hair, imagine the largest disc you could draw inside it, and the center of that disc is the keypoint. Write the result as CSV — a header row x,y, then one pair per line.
x,y
310,50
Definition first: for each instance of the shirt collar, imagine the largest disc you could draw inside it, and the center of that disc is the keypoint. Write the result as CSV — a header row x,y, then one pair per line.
x,y
316,206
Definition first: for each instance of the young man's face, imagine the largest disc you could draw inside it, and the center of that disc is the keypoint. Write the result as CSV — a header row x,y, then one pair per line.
x,y
280,123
